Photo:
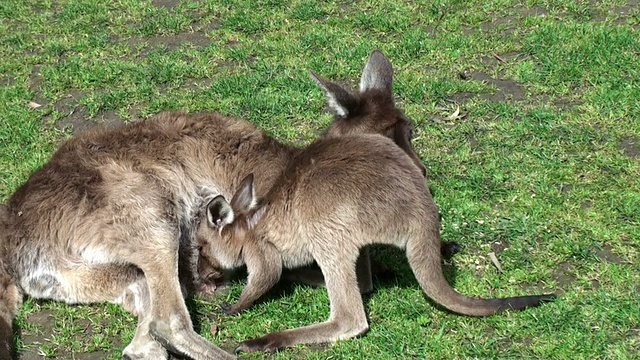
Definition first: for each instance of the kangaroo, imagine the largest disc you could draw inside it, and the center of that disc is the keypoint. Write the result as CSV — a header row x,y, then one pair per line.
x,y
371,110
112,216
335,197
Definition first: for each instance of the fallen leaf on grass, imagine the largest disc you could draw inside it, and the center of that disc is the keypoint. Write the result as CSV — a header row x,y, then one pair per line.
x,y
34,105
456,115
213,329
495,261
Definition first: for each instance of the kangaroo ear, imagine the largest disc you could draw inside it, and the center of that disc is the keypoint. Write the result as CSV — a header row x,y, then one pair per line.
x,y
377,73
219,212
341,101
245,197
256,216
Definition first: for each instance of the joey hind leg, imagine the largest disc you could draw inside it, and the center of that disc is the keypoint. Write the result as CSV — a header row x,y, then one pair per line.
x,y
366,267
347,319
264,265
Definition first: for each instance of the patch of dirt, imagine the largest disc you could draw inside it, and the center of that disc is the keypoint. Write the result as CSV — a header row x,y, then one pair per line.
x,y
44,322
505,24
499,246
535,11
168,42
463,97
473,143
564,103
630,147
43,319
506,90
606,253
197,36
563,274
78,120
586,205
169,4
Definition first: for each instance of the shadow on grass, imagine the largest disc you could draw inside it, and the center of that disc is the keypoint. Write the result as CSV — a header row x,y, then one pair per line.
x,y
393,271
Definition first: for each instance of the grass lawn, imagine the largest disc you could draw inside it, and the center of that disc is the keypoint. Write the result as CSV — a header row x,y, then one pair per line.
x,y
543,169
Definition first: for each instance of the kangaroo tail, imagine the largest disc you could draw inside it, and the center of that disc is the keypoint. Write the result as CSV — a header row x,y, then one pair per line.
x,y
10,296
425,261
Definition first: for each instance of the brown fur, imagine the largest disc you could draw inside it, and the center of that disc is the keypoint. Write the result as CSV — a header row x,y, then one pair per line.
x,y
103,220
334,198
111,216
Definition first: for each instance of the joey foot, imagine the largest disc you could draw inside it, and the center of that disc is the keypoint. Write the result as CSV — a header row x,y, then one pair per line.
x,y
267,343
229,309
448,249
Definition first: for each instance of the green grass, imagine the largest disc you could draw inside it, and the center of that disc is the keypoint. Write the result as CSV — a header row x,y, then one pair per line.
x,y
544,169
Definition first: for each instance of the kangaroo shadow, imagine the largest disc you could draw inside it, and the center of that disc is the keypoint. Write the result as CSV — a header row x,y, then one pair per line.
x,y
389,266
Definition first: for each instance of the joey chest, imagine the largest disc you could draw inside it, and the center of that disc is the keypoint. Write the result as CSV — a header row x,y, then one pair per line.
x,y
292,244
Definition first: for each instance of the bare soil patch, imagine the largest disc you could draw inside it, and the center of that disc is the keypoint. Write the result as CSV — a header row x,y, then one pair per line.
x,y
563,274
606,253
170,4
197,38
44,322
586,205
78,120
506,89
630,147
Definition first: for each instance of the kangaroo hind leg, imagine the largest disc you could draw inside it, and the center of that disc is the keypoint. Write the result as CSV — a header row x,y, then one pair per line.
x,y
169,321
347,319
123,285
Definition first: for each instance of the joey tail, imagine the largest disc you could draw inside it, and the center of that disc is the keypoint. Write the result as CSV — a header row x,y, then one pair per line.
x,y
10,296
426,265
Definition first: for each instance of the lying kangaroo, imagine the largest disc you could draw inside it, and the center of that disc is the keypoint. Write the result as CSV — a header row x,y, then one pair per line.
x,y
108,217
335,197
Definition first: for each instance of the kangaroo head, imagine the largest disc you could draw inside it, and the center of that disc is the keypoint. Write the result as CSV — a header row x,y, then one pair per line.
x,y
371,110
221,236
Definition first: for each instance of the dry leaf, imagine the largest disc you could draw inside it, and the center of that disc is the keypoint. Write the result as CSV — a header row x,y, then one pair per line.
x,y
495,261
214,329
34,105
456,115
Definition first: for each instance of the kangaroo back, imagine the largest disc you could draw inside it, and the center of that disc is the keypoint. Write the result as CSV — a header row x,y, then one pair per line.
x,y
10,295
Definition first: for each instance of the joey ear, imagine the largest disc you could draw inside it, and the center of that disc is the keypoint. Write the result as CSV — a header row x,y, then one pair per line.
x,y
341,101
256,216
245,197
219,212
377,73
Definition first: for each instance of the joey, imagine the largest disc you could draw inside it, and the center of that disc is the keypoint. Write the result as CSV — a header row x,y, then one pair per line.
x,y
335,197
